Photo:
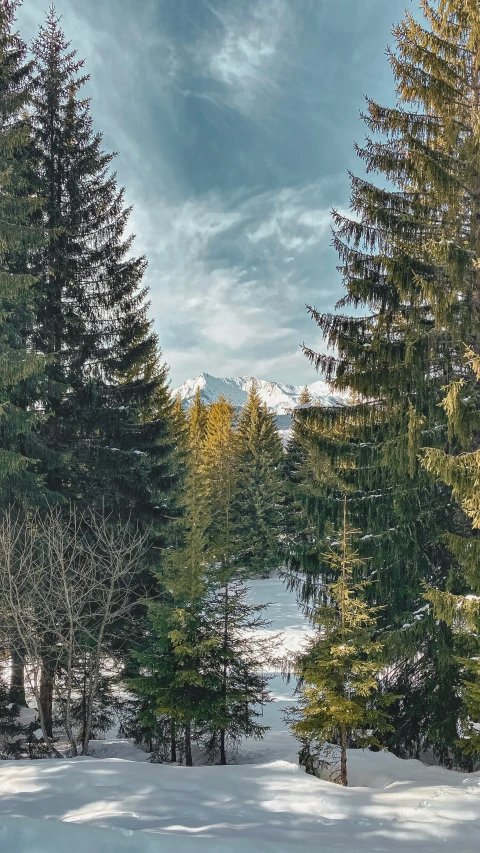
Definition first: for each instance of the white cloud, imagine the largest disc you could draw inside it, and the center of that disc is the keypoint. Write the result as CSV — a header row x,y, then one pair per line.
x,y
293,222
248,59
213,309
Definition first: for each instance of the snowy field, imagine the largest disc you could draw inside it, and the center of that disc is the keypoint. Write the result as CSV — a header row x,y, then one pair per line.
x,y
263,804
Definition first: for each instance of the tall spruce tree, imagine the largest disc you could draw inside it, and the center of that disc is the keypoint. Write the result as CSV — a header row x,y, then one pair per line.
x,y
106,401
259,496
461,608
408,258
23,454
237,665
21,367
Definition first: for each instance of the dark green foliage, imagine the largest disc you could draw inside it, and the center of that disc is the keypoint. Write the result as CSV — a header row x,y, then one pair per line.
x,y
460,607
176,684
12,733
107,402
237,662
21,366
257,508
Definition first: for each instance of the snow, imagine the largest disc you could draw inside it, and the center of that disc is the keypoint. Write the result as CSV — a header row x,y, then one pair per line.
x,y
113,804
280,398
117,802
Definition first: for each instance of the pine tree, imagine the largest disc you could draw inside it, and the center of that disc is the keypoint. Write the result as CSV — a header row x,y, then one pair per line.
x,y
219,470
175,686
258,499
339,693
408,257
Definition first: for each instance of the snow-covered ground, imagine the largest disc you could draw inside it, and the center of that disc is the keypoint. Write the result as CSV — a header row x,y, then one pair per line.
x,y
263,804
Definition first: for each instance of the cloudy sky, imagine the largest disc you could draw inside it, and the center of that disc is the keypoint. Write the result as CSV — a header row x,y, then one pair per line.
x,y
234,122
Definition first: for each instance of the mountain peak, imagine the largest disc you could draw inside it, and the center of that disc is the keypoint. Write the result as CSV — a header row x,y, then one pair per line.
x,y
280,398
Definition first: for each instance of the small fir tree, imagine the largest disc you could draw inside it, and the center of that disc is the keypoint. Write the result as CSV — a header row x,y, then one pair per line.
x,y
339,692
12,733
237,663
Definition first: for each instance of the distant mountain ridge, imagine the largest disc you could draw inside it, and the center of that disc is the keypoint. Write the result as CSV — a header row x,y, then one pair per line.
x,y
279,398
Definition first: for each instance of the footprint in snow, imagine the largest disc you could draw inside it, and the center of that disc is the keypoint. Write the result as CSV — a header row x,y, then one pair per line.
x,y
424,804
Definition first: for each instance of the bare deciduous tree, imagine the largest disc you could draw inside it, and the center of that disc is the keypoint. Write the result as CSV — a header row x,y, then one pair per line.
x,y
65,580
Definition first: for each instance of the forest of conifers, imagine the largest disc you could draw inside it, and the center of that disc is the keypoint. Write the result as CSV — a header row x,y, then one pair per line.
x,y
130,526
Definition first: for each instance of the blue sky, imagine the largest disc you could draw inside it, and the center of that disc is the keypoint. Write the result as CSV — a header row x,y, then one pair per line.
x,y
234,121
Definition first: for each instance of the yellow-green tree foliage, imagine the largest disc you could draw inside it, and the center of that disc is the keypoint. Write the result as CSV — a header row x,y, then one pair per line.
x,y
339,694
219,473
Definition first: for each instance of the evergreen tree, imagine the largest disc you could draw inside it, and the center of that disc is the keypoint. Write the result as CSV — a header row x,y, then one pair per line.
x,y
107,399
23,454
219,469
258,498
219,472
461,609
237,663
21,367
176,683
107,404
12,733
408,258
179,640
339,693
305,474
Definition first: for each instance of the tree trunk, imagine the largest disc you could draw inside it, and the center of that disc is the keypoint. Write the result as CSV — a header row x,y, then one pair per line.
x,y
173,742
46,697
188,746
84,706
43,725
343,760
223,754
17,680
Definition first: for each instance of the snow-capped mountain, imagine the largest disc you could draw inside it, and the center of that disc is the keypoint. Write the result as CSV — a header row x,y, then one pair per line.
x,y
279,398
